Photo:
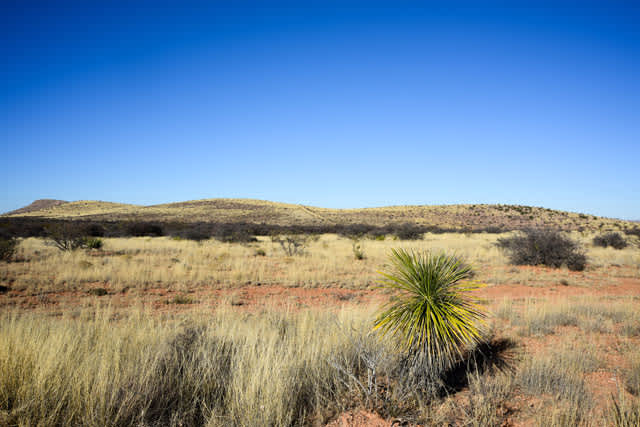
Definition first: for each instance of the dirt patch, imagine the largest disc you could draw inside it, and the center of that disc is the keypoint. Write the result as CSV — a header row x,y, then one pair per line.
x,y
359,418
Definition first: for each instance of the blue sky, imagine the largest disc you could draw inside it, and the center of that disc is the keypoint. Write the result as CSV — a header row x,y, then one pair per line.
x,y
333,104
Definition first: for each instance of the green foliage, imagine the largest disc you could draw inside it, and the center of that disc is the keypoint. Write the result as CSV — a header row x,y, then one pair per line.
x,y
434,314
93,243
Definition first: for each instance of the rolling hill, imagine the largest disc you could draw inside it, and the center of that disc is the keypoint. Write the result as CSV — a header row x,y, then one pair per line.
x,y
230,211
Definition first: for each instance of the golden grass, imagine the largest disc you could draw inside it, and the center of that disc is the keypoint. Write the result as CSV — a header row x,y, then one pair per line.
x,y
104,368
107,367
327,261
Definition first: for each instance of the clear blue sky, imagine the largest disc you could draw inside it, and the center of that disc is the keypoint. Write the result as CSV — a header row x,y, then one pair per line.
x,y
333,104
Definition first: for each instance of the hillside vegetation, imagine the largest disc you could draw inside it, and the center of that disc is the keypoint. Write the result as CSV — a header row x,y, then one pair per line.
x,y
232,211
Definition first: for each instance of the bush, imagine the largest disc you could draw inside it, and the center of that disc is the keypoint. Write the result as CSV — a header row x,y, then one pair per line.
x,y
93,243
635,231
543,247
615,240
95,230
291,245
408,232
233,234
7,248
144,229
66,236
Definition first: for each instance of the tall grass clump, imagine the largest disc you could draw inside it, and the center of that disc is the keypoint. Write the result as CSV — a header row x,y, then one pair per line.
x,y
560,378
434,315
274,369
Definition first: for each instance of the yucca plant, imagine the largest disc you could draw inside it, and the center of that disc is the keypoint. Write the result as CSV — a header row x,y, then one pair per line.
x,y
434,314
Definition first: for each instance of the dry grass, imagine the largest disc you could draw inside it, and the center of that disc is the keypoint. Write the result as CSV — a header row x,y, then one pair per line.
x,y
100,367
229,367
141,370
327,261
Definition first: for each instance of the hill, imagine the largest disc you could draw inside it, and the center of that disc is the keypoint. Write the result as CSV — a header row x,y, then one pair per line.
x,y
37,206
471,217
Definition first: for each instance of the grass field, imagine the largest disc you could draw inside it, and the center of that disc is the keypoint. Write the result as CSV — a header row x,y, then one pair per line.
x,y
161,331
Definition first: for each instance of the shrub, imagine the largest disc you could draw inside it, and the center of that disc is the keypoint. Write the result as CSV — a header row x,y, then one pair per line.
x,y
66,236
93,243
98,292
615,240
144,229
7,248
543,247
95,230
434,315
292,244
408,232
234,234
635,231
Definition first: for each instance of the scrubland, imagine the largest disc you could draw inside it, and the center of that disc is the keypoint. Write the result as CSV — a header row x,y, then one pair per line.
x,y
324,261
565,352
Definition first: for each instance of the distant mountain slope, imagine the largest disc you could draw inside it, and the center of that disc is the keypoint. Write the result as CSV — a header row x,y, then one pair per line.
x,y
37,205
460,217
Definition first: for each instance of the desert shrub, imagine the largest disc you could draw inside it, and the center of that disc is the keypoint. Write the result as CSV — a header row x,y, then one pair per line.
x,y
408,232
635,231
354,231
95,230
181,299
98,292
197,235
142,229
260,252
230,233
66,236
615,240
543,247
292,244
434,315
93,243
7,248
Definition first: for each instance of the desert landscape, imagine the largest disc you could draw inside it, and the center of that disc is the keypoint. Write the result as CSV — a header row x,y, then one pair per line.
x,y
319,214
278,329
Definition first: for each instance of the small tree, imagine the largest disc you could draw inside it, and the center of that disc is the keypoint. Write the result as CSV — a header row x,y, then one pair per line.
x,y
66,236
291,245
434,315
